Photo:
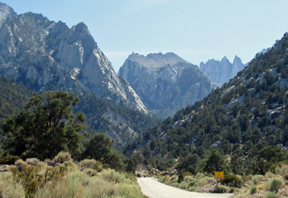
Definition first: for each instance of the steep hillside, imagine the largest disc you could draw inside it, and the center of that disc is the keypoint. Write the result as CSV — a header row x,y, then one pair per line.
x,y
239,119
12,98
121,124
165,82
222,71
45,55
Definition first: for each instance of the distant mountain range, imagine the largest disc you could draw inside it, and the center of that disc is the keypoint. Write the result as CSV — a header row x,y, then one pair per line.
x,y
44,55
222,71
165,82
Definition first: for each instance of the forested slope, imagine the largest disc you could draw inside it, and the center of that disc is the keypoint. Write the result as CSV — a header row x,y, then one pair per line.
x,y
239,120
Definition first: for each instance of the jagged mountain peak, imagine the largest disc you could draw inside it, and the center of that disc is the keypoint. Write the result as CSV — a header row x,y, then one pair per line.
x,y
50,53
225,60
220,72
155,61
80,28
5,12
165,82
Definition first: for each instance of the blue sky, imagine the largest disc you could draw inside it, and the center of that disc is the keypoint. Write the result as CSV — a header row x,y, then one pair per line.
x,y
196,30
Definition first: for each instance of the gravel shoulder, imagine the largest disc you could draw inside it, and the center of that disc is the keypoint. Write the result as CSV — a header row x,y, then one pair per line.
x,y
154,189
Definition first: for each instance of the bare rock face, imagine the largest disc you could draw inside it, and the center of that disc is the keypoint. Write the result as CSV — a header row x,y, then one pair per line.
x,y
45,55
165,82
220,72
5,12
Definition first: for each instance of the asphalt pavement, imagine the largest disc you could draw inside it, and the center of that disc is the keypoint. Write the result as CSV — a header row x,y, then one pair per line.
x,y
154,189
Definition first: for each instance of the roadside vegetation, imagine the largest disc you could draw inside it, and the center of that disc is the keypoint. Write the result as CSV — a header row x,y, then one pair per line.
x,y
47,153
242,186
64,177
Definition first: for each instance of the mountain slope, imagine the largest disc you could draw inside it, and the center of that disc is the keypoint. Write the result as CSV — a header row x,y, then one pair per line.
x,y
222,71
120,123
12,98
165,82
239,119
43,54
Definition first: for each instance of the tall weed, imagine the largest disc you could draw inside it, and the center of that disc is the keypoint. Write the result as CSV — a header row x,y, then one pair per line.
x,y
10,188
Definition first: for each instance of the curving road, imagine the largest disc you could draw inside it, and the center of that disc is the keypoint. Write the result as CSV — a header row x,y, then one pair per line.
x,y
154,189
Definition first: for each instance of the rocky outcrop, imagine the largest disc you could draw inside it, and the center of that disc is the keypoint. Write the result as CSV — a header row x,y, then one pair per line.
x,y
46,55
165,82
220,72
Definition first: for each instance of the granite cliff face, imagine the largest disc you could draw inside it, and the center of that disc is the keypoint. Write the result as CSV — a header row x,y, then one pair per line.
x,y
165,82
222,71
43,54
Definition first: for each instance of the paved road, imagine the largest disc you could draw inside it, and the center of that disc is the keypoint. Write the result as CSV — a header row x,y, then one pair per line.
x,y
154,189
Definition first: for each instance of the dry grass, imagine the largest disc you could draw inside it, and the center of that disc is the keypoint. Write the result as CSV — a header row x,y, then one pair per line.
x,y
10,188
91,163
41,180
69,166
282,170
62,157
32,161
80,185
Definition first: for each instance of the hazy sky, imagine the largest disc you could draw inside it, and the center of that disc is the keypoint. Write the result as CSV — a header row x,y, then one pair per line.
x,y
196,30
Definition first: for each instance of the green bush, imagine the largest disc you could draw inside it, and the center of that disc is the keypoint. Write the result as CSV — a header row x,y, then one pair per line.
x,y
187,174
20,164
237,190
231,179
257,178
62,157
192,188
281,170
88,163
168,182
9,159
175,184
193,182
111,175
99,166
269,175
285,176
79,185
275,165
188,178
32,161
267,185
270,194
90,172
276,184
173,177
253,190
199,175
33,177
245,178
161,179
183,185
9,187
69,166
221,189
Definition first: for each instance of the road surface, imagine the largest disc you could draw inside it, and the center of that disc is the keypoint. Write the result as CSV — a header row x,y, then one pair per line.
x,y
154,189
